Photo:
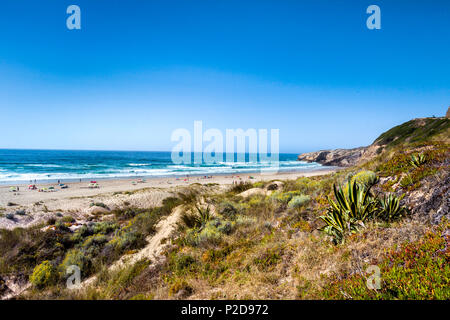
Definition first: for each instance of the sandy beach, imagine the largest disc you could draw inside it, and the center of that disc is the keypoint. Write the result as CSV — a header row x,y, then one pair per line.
x,y
78,199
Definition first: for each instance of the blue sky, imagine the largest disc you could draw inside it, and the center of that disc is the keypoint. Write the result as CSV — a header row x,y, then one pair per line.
x,y
137,70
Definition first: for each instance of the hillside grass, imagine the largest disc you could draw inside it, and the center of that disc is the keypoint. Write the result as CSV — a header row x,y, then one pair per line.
x,y
415,131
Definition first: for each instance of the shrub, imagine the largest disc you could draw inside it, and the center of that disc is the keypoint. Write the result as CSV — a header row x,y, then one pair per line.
x,y
390,208
227,210
126,214
104,227
354,206
226,228
188,197
75,257
10,216
124,277
267,260
241,187
244,220
348,213
259,184
284,197
198,219
180,285
93,245
308,185
68,219
418,271
61,226
142,296
183,262
21,250
366,178
127,239
208,235
21,212
406,181
418,160
81,233
272,187
298,201
171,202
99,204
44,275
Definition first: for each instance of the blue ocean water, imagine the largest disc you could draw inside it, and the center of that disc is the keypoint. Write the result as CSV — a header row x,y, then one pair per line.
x,y
71,165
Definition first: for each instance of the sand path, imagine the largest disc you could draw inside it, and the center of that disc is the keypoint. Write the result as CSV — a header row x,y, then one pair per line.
x,y
164,230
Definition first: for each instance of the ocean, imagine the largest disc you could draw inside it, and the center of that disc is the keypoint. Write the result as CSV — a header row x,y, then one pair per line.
x,y
71,165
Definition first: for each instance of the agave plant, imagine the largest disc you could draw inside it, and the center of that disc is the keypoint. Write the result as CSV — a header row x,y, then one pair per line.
x,y
197,220
357,201
390,208
348,213
417,161
339,225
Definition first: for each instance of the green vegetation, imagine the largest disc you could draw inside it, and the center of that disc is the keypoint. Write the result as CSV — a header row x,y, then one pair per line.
x,y
196,220
348,214
44,275
418,270
298,201
418,160
78,258
355,205
44,256
99,204
390,208
366,178
241,187
401,166
414,131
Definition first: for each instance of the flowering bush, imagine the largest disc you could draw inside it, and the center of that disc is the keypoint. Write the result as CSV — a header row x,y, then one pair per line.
x,y
43,275
418,270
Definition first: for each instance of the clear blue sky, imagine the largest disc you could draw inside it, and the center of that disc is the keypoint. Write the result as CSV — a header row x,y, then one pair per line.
x,y
137,70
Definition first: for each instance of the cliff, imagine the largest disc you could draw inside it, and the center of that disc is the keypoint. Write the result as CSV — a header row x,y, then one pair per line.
x,y
413,131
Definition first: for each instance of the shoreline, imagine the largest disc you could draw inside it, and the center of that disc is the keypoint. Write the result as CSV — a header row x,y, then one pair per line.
x,y
50,182
25,197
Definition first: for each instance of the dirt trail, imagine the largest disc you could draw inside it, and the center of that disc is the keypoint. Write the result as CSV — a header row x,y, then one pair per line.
x,y
154,248
15,289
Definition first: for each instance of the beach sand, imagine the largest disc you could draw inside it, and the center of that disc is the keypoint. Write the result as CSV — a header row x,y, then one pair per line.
x,y
78,198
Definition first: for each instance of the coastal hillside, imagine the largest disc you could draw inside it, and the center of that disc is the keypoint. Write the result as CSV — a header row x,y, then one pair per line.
x,y
316,237
408,133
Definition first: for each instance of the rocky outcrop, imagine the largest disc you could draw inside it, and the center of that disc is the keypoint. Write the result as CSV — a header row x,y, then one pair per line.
x,y
416,130
432,200
337,157
341,157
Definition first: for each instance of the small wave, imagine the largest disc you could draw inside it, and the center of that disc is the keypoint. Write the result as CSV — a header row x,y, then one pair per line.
x,y
42,165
